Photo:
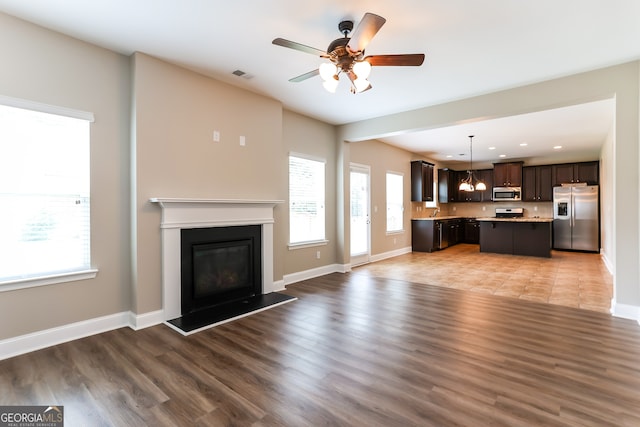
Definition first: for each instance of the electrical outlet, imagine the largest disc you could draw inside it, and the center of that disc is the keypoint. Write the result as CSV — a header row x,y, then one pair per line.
x,y
216,136
243,141
535,208
484,208
394,240
318,255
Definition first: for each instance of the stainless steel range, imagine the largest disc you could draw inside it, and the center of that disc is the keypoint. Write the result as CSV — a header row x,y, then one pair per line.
x,y
509,212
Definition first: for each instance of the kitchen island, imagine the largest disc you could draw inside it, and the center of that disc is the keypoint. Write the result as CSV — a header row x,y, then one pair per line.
x,y
529,236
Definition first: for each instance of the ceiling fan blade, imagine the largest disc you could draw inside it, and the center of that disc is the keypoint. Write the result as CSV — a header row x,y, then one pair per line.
x,y
413,59
305,76
364,32
298,46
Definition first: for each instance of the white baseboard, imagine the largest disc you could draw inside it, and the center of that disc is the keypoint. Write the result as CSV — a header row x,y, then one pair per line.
x,y
625,311
49,337
310,274
607,262
278,285
390,254
137,322
38,340
338,268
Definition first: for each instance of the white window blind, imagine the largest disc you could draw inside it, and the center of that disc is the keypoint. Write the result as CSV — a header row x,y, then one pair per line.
x,y
44,194
306,200
395,209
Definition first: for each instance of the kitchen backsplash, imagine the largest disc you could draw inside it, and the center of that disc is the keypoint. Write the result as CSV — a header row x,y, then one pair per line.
x,y
476,210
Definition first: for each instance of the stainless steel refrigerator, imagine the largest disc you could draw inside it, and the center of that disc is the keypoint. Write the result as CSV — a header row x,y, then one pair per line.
x,y
576,218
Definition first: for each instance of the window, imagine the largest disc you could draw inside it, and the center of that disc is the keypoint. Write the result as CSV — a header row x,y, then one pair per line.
x,y
44,193
306,200
394,202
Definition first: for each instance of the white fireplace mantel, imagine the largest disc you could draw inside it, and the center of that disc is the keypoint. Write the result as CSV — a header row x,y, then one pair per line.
x,y
178,213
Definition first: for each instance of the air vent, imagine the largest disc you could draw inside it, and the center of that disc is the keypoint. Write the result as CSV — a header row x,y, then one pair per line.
x,y
242,74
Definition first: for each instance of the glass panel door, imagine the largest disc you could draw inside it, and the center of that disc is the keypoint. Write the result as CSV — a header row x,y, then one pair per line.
x,y
360,215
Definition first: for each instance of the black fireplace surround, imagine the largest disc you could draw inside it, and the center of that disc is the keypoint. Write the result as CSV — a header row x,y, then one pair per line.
x,y
219,265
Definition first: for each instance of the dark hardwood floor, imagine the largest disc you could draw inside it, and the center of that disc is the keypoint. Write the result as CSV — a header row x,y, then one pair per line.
x,y
353,350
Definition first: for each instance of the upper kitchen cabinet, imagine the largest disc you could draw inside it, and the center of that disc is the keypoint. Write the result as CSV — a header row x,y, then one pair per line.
x,y
536,184
449,183
447,186
422,181
484,175
507,174
574,173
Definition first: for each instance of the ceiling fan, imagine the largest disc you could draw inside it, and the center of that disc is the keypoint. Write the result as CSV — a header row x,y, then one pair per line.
x,y
346,55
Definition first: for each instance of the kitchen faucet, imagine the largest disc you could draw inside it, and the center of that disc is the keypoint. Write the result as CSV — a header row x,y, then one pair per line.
x,y
435,212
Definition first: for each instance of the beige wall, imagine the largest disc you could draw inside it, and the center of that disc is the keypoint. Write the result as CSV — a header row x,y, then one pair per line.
x,y
176,113
303,135
46,67
383,158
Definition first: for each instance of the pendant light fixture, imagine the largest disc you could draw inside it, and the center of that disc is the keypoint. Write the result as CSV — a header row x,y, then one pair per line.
x,y
467,183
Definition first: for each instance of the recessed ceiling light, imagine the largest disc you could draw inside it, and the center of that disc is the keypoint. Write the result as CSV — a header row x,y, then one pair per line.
x,y
502,155
557,147
449,156
524,144
492,148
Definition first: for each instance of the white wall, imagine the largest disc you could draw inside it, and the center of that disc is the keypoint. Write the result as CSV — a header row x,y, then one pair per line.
x,y
607,203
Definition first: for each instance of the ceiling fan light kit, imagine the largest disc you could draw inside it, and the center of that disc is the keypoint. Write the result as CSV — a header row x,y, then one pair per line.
x,y
346,56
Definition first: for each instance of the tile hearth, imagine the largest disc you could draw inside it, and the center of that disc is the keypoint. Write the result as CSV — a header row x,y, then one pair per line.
x,y
572,279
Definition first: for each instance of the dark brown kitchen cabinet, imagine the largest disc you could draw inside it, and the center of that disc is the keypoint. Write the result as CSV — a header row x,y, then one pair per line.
x,y
532,239
465,196
516,238
422,181
449,182
425,235
507,174
454,231
573,173
536,184
496,237
447,186
428,235
471,231
486,176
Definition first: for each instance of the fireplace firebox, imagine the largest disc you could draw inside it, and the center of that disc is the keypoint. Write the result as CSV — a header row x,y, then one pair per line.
x,y
219,265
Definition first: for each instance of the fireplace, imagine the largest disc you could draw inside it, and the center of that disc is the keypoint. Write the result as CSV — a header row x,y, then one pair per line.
x,y
218,216
219,265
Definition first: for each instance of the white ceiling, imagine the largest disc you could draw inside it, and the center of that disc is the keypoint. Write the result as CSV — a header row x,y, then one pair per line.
x,y
472,48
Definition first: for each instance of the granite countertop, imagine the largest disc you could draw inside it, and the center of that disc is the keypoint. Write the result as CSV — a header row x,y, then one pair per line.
x,y
433,218
523,219
494,219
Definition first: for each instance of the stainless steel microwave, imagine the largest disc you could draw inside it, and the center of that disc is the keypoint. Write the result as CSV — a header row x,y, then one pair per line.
x,y
508,194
